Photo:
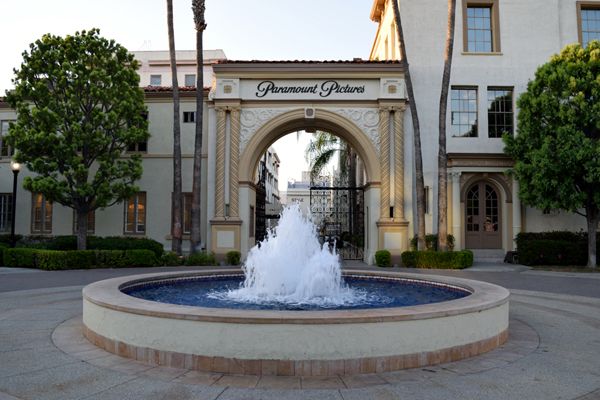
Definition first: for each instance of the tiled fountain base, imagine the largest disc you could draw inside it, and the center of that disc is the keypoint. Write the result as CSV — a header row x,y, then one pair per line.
x,y
522,340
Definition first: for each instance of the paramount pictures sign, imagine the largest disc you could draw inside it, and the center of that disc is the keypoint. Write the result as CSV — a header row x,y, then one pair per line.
x,y
327,89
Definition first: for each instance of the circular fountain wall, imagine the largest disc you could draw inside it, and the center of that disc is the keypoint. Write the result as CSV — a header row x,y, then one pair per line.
x,y
335,332
295,342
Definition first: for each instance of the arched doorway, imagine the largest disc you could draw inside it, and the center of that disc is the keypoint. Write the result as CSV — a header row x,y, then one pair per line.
x,y
483,220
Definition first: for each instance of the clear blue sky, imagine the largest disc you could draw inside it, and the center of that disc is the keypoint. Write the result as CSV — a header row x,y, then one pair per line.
x,y
244,29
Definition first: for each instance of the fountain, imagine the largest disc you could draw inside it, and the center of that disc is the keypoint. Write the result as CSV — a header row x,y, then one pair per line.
x,y
293,312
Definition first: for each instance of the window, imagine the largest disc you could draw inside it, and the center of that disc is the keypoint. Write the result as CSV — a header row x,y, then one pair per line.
x,y
463,112
135,214
500,112
91,222
5,149
481,26
189,116
588,18
427,202
190,80
155,80
6,210
140,147
41,210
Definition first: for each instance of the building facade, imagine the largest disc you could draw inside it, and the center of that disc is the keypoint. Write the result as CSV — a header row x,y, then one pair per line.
x,y
498,45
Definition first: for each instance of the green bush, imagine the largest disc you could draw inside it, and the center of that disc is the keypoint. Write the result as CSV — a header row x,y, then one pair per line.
x,y
111,258
233,257
21,258
58,260
431,242
553,248
6,238
438,259
124,243
171,259
141,258
202,258
3,246
383,258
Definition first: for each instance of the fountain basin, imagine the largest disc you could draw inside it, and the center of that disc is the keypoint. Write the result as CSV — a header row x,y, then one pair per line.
x,y
303,343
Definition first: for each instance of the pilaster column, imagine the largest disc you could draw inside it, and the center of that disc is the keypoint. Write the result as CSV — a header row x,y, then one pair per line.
x,y
384,137
220,164
233,163
399,163
516,214
456,220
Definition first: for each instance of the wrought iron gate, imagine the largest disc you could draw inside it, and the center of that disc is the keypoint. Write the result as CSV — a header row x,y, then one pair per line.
x,y
338,213
260,227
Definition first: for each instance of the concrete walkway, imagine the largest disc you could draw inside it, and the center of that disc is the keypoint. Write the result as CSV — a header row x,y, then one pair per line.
x,y
553,350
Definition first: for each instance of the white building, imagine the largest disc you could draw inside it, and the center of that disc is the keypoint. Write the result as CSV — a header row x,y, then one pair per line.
x,y
498,46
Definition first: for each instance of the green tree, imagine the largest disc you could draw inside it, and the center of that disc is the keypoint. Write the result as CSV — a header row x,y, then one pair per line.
x,y
79,108
320,151
557,149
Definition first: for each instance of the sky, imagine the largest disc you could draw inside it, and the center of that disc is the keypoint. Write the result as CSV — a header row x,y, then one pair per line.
x,y
244,29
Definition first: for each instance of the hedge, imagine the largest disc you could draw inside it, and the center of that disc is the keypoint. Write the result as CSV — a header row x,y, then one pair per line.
x,y
233,257
438,259
383,258
69,242
201,259
431,242
553,248
78,259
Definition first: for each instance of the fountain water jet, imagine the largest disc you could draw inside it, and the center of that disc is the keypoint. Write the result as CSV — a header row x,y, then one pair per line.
x,y
291,266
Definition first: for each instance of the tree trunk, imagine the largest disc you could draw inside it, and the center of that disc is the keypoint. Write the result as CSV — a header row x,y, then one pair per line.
x,y
593,218
198,8
420,184
82,227
442,156
176,228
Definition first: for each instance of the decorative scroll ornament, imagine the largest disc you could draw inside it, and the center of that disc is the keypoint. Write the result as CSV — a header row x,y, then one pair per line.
x,y
367,119
252,119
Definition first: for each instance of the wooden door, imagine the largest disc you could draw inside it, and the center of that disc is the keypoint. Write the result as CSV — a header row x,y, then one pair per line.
x,y
482,217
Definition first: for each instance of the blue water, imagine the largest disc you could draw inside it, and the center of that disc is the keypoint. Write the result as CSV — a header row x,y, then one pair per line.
x,y
370,293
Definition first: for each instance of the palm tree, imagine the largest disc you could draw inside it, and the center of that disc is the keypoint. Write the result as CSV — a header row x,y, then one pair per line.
x,y
416,132
198,8
176,229
321,150
442,156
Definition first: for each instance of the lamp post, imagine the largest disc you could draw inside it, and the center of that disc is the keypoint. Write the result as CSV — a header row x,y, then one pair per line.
x,y
16,167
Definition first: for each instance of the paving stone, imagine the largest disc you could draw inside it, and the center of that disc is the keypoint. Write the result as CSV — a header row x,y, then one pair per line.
x,y
198,378
238,381
317,382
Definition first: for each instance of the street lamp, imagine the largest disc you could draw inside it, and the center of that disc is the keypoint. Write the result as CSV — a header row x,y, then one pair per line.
x,y
16,167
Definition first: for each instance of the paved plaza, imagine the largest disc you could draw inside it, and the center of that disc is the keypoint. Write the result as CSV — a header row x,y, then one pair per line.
x,y
553,351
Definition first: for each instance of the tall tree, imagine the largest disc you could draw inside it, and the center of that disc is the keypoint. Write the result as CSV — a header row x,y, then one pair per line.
x,y
79,109
198,7
442,156
321,149
177,227
418,154
557,148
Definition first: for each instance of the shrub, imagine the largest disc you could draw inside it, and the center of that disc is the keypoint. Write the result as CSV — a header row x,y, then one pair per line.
x,y
111,258
438,259
171,259
125,243
7,238
3,246
141,258
202,258
58,260
553,248
431,242
383,258
233,257
23,258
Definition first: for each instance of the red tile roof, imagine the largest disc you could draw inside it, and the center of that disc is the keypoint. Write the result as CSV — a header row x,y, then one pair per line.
x,y
354,61
161,89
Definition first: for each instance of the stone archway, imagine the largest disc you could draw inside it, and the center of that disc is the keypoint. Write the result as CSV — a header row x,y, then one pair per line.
x,y
254,104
